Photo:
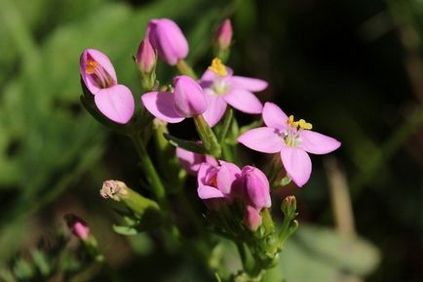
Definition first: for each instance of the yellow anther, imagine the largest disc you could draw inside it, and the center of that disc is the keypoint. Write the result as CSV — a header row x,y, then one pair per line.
x,y
218,67
301,123
91,66
291,122
304,125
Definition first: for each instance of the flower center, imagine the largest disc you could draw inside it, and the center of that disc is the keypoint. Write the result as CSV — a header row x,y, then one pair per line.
x,y
100,76
218,67
220,87
291,136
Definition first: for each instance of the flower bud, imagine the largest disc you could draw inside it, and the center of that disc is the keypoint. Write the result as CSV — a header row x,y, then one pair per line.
x,y
190,99
289,207
256,187
169,41
224,35
146,57
77,226
252,218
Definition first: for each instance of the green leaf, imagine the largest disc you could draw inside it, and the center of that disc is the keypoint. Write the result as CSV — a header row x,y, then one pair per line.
x,y
125,230
321,254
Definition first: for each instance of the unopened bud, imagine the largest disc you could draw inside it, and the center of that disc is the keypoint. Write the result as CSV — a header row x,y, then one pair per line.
x,y
114,190
289,207
252,218
77,226
224,35
146,57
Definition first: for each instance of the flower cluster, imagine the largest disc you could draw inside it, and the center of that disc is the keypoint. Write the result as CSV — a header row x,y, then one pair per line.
x,y
236,196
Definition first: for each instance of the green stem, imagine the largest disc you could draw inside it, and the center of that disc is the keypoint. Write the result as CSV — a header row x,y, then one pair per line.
x,y
207,136
184,68
150,172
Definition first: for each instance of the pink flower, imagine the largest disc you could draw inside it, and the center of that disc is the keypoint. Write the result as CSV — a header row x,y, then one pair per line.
x,y
187,100
191,161
146,56
168,39
224,34
217,182
256,187
77,226
113,100
222,88
293,139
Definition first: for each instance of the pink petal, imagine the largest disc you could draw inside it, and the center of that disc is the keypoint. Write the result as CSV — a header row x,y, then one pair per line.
x,y
215,110
262,139
274,117
191,161
203,172
249,84
226,177
317,143
244,101
208,192
116,103
103,62
162,106
297,164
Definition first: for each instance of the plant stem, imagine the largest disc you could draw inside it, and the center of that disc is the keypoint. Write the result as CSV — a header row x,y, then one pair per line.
x,y
150,172
184,68
207,136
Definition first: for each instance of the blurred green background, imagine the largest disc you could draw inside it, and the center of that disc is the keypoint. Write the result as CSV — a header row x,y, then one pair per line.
x,y
352,68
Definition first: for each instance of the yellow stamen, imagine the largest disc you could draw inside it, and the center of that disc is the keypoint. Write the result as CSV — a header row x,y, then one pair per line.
x,y
301,123
91,66
218,67
304,125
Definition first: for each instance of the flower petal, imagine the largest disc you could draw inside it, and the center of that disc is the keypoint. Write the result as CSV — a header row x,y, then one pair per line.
x,y
162,106
215,110
317,143
209,192
274,117
244,101
103,61
262,139
297,164
248,83
116,103
191,161
226,177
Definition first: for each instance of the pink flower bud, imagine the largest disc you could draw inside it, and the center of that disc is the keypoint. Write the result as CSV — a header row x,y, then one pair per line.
x,y
252,218
146,56
256,187
190,99
167,38
77,226
224,34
